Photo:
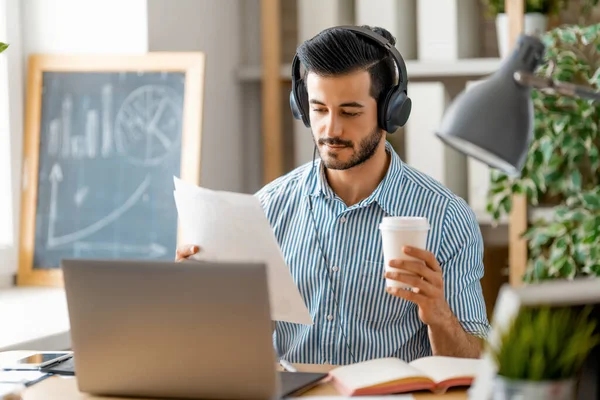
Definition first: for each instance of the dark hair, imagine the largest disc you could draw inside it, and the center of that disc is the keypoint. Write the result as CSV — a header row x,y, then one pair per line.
x,y
337,51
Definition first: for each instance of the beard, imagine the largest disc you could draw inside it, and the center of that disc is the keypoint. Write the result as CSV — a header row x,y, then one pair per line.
x,y
366,149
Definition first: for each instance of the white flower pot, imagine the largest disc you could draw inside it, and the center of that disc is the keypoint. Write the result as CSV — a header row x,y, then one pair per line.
x,y
534,23
508,389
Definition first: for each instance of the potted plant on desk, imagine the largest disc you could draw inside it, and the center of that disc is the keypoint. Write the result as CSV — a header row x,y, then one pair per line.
x,y
540,354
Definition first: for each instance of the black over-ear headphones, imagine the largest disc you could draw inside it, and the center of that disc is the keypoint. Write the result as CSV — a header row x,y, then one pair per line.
x,y
393,106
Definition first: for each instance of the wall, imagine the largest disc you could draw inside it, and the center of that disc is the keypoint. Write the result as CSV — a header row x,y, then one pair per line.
x,y
91,26
197,25
58,26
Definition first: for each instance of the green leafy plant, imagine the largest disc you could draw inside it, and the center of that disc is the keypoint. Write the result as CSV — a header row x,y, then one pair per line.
x,y
545,344
568,246
547,7
563,163
3,46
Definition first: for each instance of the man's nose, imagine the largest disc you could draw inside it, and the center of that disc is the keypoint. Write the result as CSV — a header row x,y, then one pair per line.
x,y
334,125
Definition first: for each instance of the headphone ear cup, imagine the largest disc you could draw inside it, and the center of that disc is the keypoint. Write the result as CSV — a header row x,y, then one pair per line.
x,y
394,110
299,102
295,110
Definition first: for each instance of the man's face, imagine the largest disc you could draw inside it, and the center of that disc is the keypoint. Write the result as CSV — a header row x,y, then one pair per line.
x,y
343,118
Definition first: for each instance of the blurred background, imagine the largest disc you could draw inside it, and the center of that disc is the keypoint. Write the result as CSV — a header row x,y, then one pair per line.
x,y
248,133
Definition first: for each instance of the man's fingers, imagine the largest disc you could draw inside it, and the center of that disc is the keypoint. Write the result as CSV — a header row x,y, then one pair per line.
x,y
185,251
405,294
424,287
418,268
424,255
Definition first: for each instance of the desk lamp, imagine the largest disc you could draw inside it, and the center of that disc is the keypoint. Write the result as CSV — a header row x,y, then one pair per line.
x,y
493,121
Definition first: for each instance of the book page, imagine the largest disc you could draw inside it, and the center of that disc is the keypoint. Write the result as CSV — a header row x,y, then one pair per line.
x,y
375,372
444,368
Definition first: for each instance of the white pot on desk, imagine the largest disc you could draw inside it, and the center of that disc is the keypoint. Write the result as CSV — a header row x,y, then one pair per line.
x,y
508,389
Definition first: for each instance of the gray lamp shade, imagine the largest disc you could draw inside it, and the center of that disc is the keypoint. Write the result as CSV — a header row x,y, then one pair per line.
x,y
493,121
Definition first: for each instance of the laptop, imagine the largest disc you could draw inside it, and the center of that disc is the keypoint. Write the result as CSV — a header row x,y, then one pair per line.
x,y
174,330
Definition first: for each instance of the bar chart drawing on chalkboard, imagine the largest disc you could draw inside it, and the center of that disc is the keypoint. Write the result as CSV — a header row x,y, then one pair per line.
x,y
106,120
105,135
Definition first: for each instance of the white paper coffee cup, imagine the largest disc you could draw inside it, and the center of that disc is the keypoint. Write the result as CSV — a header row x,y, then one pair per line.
x,y
397,232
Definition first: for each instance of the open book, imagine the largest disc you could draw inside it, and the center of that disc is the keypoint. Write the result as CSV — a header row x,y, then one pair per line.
x,y
392,375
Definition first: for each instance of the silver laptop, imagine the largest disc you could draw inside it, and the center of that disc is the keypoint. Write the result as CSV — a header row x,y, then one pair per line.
x,y
171,330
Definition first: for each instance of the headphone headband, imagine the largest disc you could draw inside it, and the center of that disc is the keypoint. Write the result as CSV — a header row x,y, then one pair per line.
x,y
402,74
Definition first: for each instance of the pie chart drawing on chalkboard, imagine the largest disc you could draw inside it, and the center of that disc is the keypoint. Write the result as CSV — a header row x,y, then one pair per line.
x,y
104,137
146,123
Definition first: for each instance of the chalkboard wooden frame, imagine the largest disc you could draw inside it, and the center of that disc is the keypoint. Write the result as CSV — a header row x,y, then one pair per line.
x,y
190,63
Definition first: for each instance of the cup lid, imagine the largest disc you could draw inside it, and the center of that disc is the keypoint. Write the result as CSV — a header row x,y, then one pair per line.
x,y
407,223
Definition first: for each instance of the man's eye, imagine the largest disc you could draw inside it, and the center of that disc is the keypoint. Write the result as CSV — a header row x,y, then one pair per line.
x,y
350,114
318,110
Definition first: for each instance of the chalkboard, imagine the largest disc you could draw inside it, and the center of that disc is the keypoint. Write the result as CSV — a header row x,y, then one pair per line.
x,y
104,138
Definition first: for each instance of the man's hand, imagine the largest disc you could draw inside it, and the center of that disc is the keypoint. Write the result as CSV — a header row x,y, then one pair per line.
x,y
427,283
186,250
446,335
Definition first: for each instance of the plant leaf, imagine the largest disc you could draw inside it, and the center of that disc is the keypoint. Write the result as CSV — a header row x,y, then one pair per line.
x,y
591,201
576,180
3,46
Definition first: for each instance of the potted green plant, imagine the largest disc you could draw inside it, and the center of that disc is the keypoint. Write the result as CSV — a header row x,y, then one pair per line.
x,y
3,46
536,17
562,165
541,352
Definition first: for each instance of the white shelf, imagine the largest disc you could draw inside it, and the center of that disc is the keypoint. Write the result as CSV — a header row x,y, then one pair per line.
x,y
471,67
485,218
546,214
533,214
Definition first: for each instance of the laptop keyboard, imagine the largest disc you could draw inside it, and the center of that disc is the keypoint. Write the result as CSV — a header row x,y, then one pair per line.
x,y
291,382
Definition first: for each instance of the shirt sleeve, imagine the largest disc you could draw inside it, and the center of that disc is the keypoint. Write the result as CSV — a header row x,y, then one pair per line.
x,y
461,260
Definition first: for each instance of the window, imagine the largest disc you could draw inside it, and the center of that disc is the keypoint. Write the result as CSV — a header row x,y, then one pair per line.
x,y
11,133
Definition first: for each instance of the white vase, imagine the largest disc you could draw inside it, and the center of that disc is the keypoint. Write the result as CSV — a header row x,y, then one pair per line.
x,y
534,23
508,389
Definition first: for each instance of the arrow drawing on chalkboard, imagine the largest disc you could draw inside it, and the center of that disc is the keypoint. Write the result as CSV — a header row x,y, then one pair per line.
x,y
55,178
153,250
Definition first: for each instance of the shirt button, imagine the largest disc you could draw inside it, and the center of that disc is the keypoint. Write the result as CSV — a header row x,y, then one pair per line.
x,y
343,219
335,268
330,317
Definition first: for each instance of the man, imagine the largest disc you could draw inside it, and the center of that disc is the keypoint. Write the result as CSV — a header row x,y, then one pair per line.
x,y
326,217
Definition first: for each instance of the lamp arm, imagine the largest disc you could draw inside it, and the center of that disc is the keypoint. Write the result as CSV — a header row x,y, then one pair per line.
x,y
564,88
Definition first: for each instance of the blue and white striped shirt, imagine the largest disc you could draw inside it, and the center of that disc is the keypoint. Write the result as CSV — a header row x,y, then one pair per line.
x,y
375,323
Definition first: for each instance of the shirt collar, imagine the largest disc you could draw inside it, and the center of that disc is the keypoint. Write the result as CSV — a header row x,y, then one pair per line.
x,y
385,195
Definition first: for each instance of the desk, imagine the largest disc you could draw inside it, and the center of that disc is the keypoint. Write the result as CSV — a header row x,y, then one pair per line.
x,y
66,389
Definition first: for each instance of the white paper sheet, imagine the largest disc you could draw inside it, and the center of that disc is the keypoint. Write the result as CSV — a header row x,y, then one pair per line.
x,y
20,376
232,227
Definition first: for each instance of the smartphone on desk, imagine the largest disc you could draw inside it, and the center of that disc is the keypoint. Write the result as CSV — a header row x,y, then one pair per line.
x,y
39,360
